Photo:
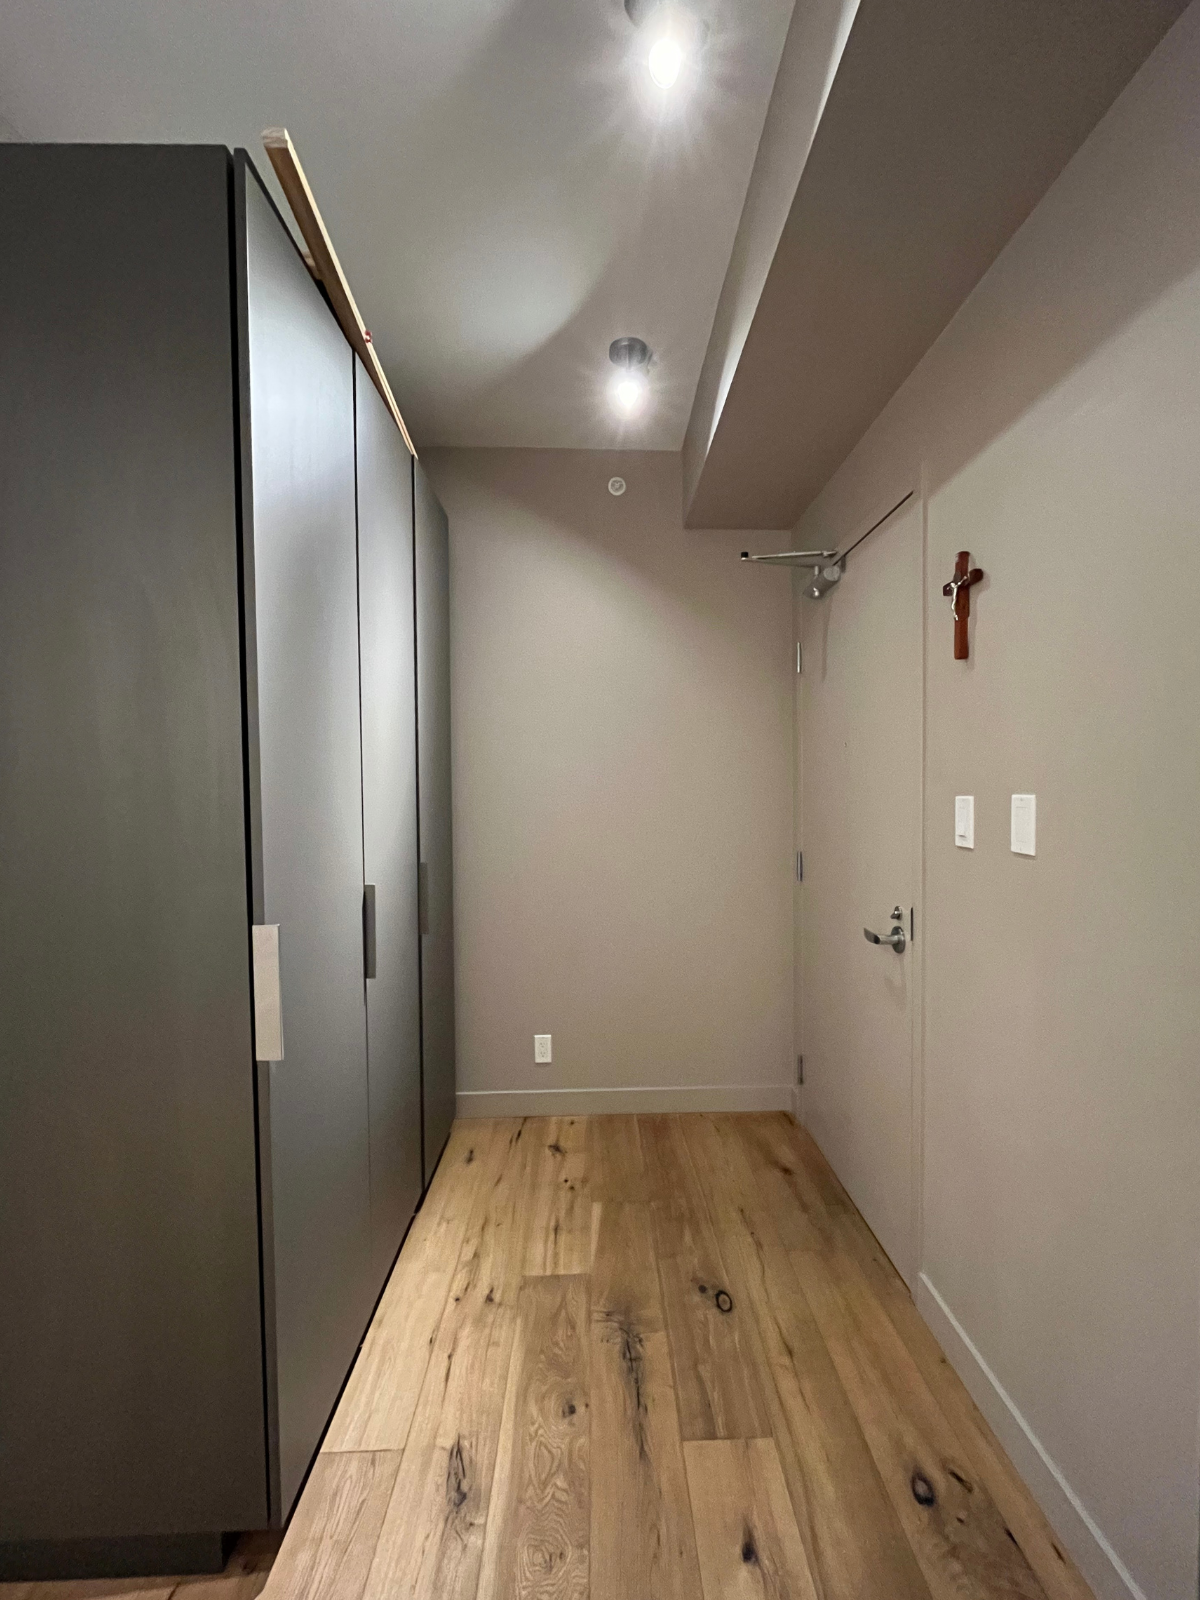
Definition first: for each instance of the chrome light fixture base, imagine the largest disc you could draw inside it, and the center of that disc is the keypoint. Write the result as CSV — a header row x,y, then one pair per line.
x,y
629,352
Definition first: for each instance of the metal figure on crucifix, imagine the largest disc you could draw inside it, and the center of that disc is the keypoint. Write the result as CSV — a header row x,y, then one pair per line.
x,y
959,591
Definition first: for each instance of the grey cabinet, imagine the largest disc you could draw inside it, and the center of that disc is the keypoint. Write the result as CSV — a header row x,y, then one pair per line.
x,y
432,538
209,647
299,538
131,1386
389,790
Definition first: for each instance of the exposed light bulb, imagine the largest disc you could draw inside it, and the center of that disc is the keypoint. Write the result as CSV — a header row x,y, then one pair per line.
x,y
628,392
665,61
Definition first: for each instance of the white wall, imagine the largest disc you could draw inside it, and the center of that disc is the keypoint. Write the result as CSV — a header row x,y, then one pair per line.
x,y
815,40
622,703
1057,426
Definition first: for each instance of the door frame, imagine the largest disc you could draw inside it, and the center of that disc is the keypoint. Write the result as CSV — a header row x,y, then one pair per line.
x,y
919,480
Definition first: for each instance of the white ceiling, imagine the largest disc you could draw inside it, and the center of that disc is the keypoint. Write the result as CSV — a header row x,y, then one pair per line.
x,y
504,192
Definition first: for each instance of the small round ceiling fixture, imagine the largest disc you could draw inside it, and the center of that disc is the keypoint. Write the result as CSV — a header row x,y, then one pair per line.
x,y
675,32
665,60
630,388
616,486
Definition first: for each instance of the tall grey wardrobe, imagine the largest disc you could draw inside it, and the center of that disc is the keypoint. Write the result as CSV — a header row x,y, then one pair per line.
x,y
224,702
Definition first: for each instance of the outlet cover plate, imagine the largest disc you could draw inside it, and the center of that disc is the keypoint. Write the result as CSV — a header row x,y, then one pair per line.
x,y
541,1049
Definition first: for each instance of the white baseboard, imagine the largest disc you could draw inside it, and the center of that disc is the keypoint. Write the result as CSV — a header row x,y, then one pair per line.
x,y
599,1102
1068,1516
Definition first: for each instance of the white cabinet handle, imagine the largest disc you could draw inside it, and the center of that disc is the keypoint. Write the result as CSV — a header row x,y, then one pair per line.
x,y
268,1001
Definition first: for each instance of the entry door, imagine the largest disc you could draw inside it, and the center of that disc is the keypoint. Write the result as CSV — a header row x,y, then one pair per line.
x,y
861,831
389,760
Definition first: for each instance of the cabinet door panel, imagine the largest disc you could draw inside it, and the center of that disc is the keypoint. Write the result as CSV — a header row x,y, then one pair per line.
x,y
433,746
130,1365
305,615
389,733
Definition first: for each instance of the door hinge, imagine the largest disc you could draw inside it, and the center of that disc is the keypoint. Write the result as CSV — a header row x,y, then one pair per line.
x,y
799,1069
423,897
799,657
799,866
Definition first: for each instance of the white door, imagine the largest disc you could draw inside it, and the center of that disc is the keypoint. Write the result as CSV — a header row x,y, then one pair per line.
x,y
860,825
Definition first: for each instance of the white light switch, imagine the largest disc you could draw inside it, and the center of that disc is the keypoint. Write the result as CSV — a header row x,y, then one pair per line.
x,y
1024,824
964,821
541,1049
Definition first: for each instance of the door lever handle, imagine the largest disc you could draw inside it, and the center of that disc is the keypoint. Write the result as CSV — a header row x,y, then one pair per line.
x,y
896,939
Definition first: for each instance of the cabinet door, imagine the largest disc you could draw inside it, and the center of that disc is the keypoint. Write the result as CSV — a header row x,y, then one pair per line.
x,y
130,1364
389,760
433,746
301,531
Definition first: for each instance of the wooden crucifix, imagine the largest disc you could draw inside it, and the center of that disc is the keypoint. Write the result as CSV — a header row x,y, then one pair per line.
x,y
959,590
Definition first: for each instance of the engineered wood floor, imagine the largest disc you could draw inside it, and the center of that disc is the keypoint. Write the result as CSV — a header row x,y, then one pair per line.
x,y
644,1358
656,1358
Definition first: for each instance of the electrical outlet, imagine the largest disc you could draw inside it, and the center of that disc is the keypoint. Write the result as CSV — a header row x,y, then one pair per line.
x,y
541,1049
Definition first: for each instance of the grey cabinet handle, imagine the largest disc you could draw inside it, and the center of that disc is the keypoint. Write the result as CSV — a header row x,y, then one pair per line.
x,y
369,953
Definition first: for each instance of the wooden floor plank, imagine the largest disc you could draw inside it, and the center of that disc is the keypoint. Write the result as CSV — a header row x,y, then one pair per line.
x,y
716,1382
560,1223
642,1539
955,1530
499,1491
431,1542
750,1547
1024,1520
666,1162
804,1214
331,1539
852,1537
376,1409
618,1171
541,1499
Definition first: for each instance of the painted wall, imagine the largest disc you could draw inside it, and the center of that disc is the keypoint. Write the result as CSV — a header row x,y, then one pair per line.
x,y
815,40
1057,427
622,705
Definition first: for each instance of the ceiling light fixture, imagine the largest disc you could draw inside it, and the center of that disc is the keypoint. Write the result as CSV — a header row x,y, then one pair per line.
x,y
630,388
675,32
665,60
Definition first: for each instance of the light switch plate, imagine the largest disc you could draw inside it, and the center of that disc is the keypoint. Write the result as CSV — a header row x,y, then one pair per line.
x,y
541,1049
964,821
1024,824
